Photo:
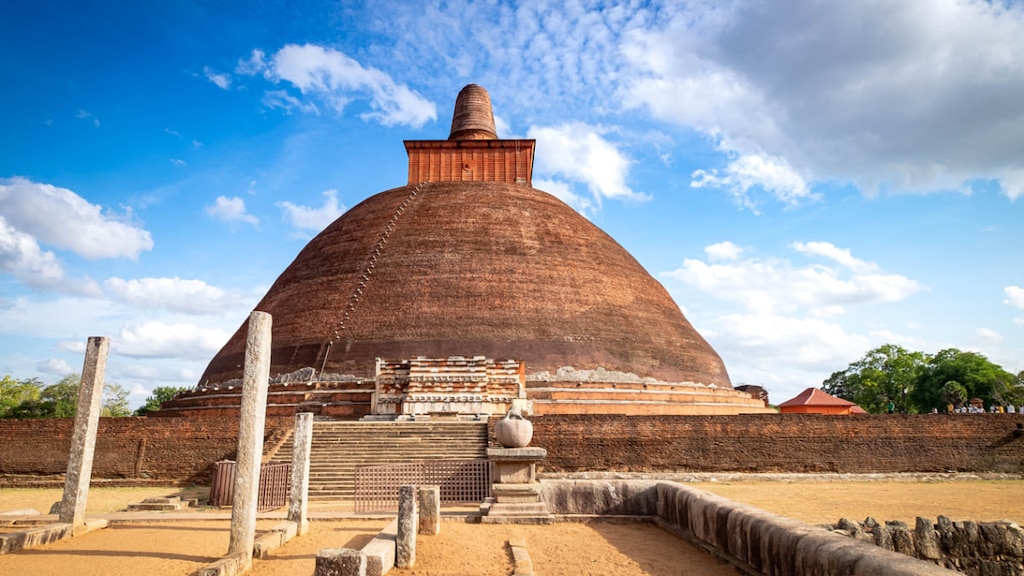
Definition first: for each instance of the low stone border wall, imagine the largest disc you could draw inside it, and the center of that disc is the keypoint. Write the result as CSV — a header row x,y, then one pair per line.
x,y
753,540
974,548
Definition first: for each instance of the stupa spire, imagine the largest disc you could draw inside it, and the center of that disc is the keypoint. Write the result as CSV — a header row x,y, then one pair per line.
x,y
473,118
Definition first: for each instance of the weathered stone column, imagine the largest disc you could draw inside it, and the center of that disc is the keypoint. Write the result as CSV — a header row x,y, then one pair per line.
x,y
298,494
83,439
251,422
405,545
430,509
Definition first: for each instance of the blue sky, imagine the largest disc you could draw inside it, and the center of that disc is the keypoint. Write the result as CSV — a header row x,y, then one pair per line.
x,y
809,180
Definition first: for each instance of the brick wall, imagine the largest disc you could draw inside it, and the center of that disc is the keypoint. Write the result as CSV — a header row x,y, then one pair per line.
x,y
782,443
167,449
184,449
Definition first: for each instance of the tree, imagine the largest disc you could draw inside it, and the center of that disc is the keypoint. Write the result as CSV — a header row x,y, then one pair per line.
x,y
115,401
13,393
954,393
979,378
159,395
885,374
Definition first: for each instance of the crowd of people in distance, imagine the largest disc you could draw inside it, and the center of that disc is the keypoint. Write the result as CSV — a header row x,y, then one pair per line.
x,y
975,409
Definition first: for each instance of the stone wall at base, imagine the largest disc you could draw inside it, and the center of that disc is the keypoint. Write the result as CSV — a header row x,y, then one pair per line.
x,y
760,542
782,443
973,548
753,540
179,450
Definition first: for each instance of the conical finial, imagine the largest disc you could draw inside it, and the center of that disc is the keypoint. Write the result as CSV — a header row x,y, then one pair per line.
x,y
473,118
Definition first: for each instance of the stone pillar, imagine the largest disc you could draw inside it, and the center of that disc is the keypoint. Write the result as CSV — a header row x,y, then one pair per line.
x,y
83,439
298,493
430,509
255,383
405,544
340,562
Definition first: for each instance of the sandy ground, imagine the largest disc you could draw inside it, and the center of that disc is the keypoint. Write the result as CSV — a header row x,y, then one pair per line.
x,y
178,548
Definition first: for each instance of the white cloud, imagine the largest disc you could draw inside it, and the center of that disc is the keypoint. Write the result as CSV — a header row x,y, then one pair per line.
x,y
336,79
55,366
255,64
988,335
723,251
287,103
156,339
222,81
58,217
313,219
178,162
750,171
564,192
21,257
918,95
231,210
772,285
580,153
173,294
83,115
1014,296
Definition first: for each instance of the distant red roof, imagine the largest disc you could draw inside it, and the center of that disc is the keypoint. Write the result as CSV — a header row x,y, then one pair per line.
x,y
815,397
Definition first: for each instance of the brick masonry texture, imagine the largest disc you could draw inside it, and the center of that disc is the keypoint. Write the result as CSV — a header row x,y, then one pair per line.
x,y
178,450
181,450
781,443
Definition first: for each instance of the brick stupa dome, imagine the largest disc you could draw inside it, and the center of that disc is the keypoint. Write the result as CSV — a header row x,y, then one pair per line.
x,y
469,260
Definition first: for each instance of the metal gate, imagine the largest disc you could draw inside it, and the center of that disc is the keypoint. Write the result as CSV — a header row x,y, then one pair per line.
x,y
273,491
460,481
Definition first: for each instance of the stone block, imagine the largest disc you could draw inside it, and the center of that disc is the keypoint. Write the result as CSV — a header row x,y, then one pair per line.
x,y
429,509
380,552
230,565
340,562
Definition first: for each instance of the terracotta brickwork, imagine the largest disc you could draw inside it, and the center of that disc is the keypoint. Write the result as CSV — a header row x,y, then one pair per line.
x,y
508,161
130,450
139,450
782,443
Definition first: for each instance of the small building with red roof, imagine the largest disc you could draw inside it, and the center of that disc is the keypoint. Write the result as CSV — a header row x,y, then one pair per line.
x,y
814,401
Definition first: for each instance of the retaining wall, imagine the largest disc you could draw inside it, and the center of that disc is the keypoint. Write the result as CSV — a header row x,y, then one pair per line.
x,y
753,540
183,450
128,450
782,443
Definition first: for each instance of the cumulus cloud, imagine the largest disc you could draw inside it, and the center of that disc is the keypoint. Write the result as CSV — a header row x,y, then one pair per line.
x,y
156,339
60,218
723,251
768,286
172,294
21,257
915,96
231,210
744,175
313,219
580,153
223,81
55,366
564,192
336,79
1014,296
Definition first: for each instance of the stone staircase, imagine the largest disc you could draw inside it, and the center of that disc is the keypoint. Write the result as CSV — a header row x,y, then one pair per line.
x,y
340,447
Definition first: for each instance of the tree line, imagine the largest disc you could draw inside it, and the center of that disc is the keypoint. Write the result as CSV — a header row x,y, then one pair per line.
x,y
31,398
892,378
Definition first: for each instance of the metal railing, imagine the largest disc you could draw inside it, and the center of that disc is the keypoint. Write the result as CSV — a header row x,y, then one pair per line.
x,y
273,490
376,487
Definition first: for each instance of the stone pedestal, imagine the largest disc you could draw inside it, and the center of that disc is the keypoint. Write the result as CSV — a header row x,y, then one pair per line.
x,y
516,494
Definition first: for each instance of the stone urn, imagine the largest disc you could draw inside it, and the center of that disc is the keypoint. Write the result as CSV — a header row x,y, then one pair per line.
x,y
513,431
